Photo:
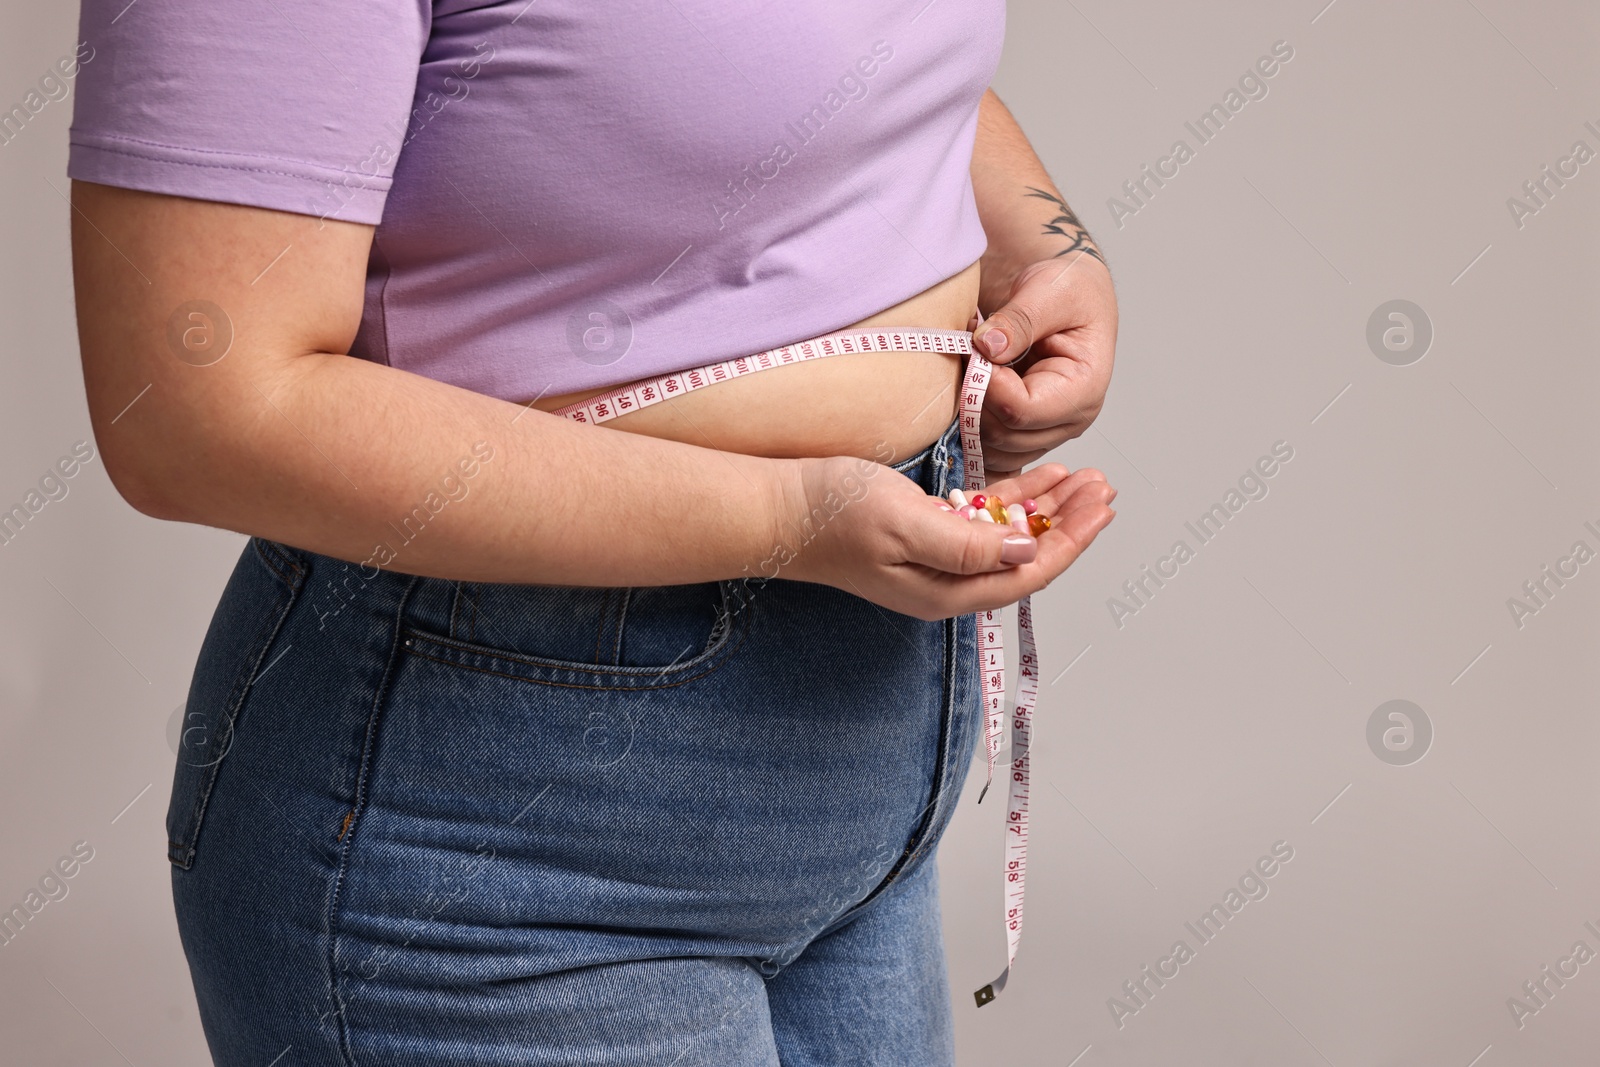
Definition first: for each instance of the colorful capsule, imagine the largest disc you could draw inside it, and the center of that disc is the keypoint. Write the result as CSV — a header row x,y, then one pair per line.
x,y
1030,505
1038,524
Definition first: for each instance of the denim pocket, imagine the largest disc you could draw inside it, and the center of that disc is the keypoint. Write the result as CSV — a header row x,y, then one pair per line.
x,y
594,638
246,622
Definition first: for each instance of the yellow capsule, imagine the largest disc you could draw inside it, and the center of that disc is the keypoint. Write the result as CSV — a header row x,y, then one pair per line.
x,y
996,507
1038,524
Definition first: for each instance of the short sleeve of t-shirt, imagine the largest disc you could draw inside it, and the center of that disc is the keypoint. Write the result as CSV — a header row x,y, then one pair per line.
x,y
296,105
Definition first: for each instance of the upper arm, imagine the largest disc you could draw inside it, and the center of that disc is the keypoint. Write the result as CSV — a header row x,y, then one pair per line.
x,y
202,303
229,161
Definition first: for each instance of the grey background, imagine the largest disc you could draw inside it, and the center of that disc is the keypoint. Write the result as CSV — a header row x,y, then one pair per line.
x,y
1229,713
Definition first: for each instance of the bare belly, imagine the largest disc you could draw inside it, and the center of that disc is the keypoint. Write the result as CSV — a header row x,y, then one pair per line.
x,y
878,405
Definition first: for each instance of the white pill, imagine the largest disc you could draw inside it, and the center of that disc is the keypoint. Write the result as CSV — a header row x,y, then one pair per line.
x,y
958,498
984,516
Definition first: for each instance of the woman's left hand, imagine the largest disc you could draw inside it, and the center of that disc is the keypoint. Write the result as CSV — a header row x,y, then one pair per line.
x,y
1059,326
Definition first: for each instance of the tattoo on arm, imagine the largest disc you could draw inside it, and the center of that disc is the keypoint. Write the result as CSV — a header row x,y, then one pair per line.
x,y
1068,225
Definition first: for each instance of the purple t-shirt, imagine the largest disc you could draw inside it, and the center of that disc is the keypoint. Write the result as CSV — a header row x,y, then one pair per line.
x,y
568,194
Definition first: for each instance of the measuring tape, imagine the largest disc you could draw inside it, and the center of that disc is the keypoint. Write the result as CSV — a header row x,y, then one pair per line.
x,y
991,645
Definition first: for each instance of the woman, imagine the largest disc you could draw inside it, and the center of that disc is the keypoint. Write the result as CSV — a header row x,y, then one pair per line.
x,y
516,740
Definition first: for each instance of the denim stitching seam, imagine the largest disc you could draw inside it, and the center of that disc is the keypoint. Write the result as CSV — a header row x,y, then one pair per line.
x,y
263,641
358,808
947,773
622,623
601,623
932,810
268,551
715,661
455,611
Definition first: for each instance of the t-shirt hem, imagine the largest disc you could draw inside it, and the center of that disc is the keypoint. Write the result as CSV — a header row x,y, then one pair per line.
x,y
231,178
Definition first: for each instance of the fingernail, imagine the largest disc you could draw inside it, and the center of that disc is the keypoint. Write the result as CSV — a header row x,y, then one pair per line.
x,y
1018,550
995,341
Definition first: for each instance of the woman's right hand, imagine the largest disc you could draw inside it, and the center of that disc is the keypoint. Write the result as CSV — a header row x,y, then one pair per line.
x,y
869,530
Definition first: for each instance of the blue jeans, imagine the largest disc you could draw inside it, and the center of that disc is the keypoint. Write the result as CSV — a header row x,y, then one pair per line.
x,y
426,822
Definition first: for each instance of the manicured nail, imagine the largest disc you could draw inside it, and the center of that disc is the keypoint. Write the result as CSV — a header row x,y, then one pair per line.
x,y
995,341
1018,550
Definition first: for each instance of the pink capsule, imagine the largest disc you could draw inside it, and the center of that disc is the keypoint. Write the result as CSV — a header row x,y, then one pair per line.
x,y
1030,506
967,511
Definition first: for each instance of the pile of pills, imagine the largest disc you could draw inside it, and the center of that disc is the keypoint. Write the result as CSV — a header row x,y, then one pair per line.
x,y
1023,517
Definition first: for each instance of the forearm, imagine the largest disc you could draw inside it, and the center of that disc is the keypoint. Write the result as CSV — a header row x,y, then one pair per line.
x,y
373,465
1023,213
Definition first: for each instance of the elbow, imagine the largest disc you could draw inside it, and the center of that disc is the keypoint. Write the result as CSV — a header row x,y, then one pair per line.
x,y
138,488
139,482
157,450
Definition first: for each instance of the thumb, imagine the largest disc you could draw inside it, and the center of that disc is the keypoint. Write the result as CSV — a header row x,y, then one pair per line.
x,y
949,543
1006,334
